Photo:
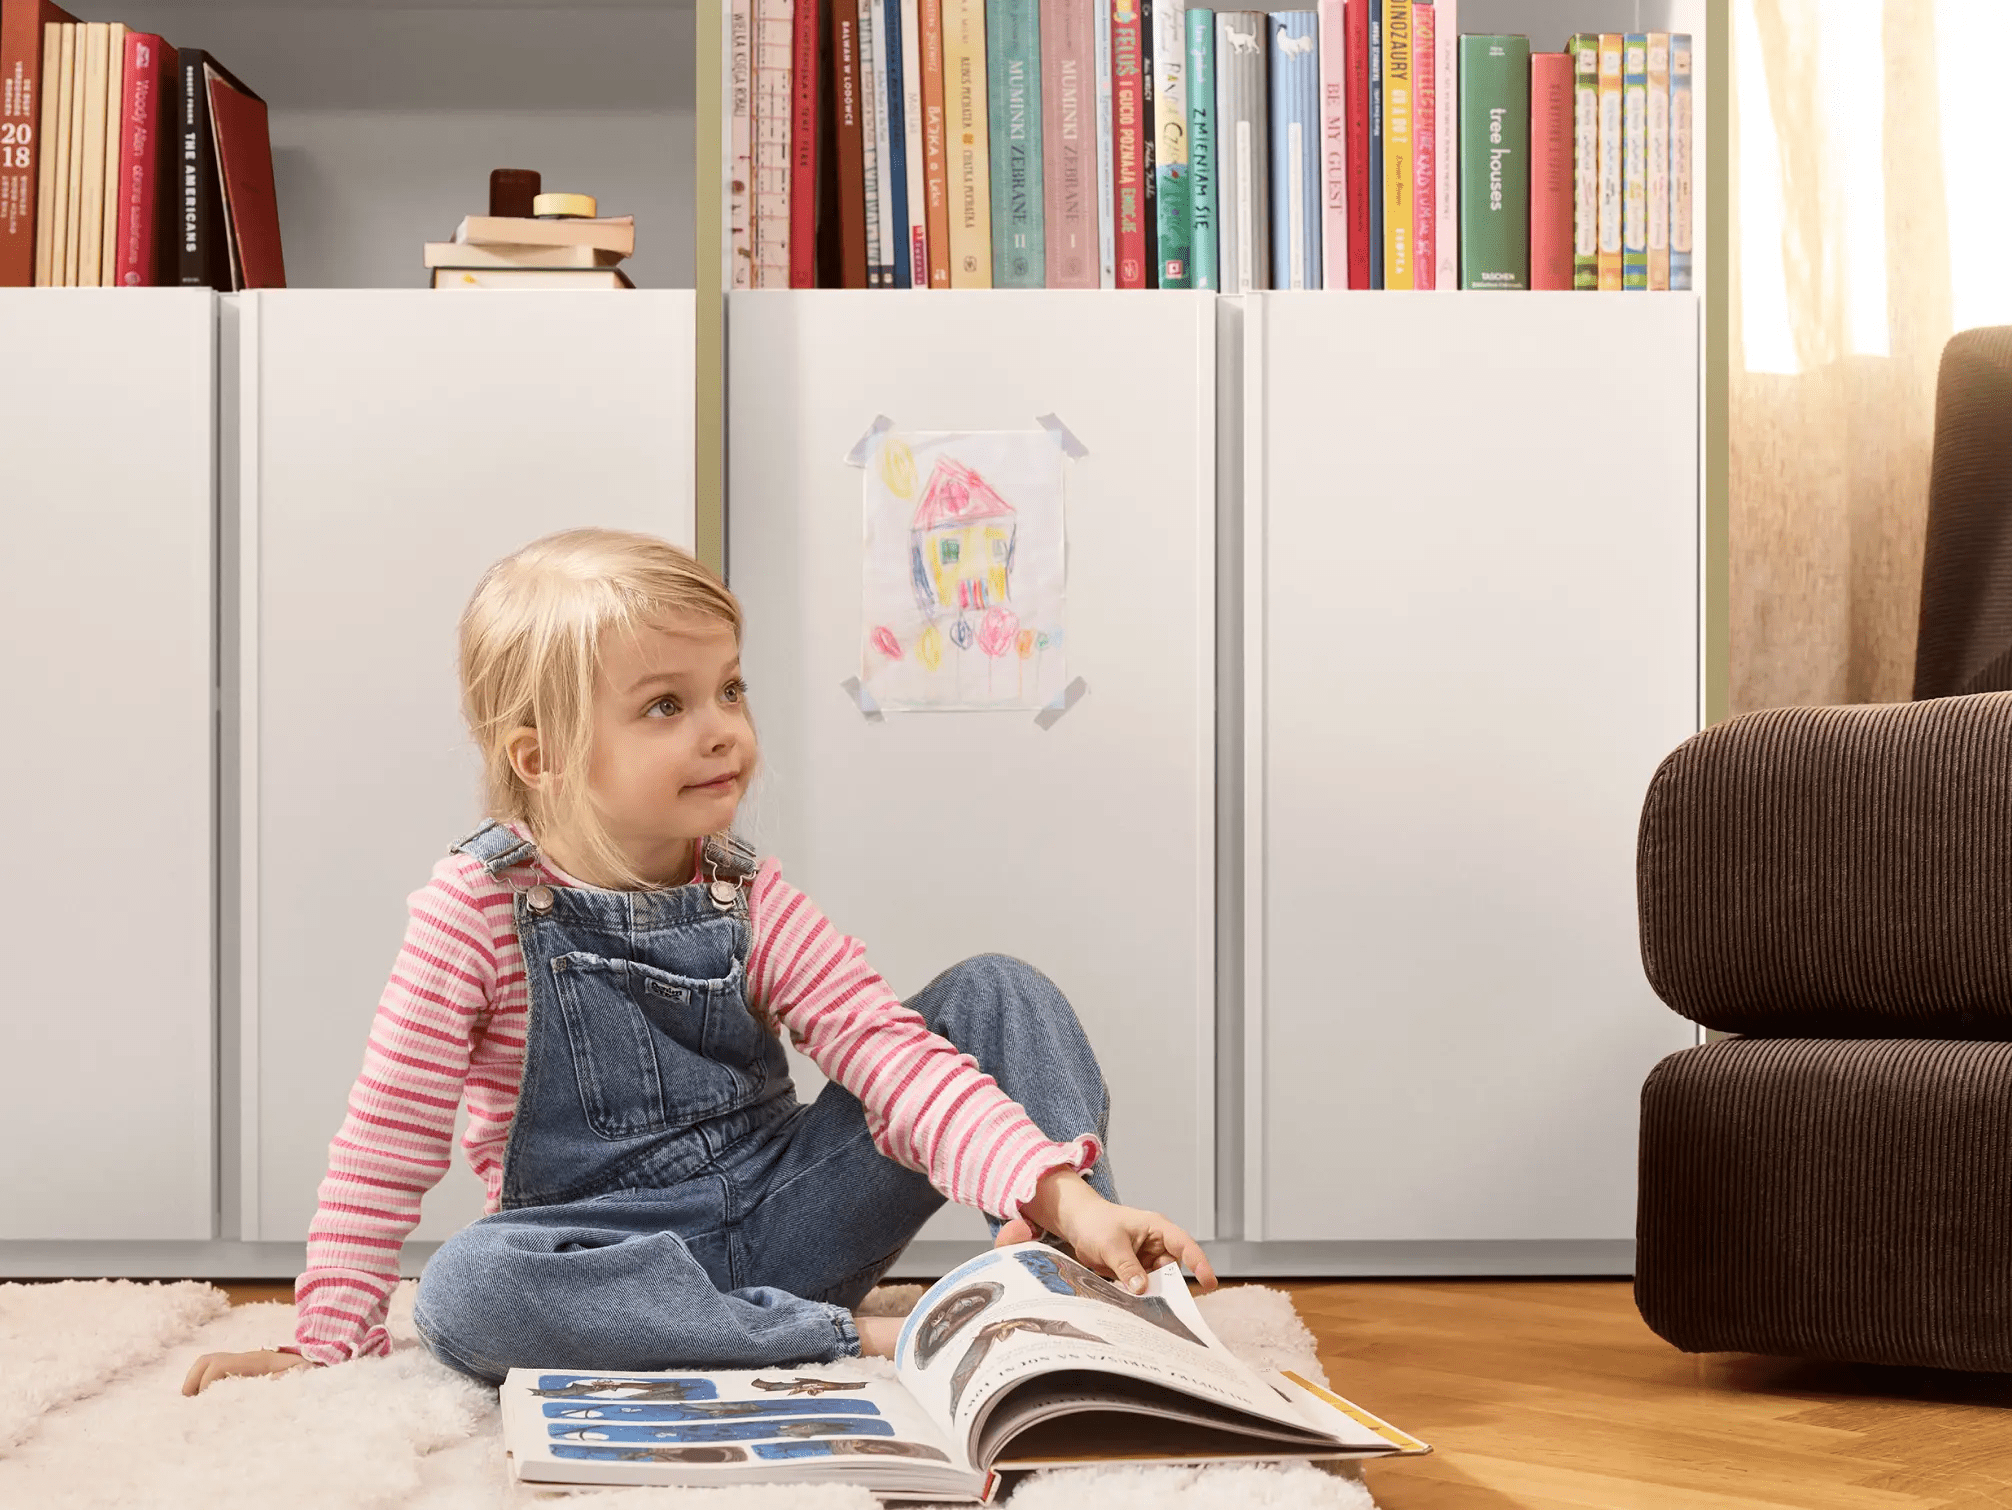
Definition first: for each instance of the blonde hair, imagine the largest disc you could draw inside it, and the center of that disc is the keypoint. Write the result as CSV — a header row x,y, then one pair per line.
x,y
530,656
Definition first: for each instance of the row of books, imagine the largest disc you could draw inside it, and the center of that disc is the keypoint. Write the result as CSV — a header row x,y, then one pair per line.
x,y
124,163
1147,143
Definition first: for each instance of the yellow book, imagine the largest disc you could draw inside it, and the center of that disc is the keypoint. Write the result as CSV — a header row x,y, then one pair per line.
x,y
45,163
1610,161
62,265
108,211
89,170
1399,70
970,174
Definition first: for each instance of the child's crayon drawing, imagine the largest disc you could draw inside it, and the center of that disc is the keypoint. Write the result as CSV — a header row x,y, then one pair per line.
x,y
850,1447
724,1431
964,570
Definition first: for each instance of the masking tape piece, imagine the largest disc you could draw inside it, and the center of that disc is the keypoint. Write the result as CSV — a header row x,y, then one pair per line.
x,y
855,690
1064,436
863,447
1064,700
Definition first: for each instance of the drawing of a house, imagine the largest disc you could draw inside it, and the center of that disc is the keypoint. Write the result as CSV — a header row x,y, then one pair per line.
x,y
961,543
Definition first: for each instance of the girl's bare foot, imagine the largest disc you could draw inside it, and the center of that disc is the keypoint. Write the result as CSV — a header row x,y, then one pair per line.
x,y
878,1335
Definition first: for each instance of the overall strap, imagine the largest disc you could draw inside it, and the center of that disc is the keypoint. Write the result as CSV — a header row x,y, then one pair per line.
x,y
728,857
495,846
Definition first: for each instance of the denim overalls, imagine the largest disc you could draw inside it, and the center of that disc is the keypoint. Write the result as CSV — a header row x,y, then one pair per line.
x,y
667,1201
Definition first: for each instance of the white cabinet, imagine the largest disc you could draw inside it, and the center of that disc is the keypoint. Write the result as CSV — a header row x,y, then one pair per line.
x,y
1086,847
107,1010
387,447
1464,659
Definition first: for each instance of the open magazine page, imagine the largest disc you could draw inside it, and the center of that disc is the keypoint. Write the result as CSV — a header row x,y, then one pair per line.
x,y
850,1419
1016,1313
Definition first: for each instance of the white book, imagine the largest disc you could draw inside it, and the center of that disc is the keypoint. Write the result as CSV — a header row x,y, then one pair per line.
x,y
1107,184
917,229
774,27
879,262
740,144
1446,141
1021,1358
1170,126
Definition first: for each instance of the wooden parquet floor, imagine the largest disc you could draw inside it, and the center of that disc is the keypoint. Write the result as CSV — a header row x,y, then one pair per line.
x,y
1552,1395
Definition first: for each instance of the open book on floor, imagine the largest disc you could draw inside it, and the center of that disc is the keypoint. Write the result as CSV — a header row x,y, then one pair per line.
x,y
1021,1358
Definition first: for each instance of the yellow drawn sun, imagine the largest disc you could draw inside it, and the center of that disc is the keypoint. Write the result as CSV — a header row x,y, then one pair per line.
x,y
897,467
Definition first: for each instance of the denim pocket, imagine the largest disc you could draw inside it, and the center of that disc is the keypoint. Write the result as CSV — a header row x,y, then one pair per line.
x,y
641,1040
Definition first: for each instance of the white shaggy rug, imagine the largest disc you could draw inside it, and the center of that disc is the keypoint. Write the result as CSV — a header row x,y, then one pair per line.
x,y
91,1416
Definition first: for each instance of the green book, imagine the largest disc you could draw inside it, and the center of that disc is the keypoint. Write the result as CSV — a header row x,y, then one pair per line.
x,y
1585,51
1172,172
1202,146
1013,90
1494,161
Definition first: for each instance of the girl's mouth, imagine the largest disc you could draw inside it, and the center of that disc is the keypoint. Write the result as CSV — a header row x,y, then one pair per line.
x,y
717,784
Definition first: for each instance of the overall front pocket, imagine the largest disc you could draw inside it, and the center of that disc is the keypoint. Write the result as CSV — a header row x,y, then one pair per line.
x,y
639,1038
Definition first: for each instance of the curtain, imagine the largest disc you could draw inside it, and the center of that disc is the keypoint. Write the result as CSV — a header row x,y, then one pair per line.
x,y
1842,286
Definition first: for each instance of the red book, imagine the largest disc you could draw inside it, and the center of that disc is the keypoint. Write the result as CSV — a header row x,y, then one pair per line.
x,y
244,166
1424,148
21,23
1356,19
143,129
1128,128
850,150
803,146
1550,170
935,146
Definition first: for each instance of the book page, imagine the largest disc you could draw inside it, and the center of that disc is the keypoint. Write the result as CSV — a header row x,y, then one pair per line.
x,y
1017,1313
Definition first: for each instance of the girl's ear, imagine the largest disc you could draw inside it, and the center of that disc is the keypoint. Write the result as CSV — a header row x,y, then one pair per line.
x,y
526,759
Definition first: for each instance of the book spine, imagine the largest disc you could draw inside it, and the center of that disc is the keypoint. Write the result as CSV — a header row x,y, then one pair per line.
x,y
873,121
1013,64
1609,253
1446,142
139,160
1149,177
1659,160
1398,248
41,149
1107,183
1128,100
740,143
1295,150
1202,211
1333,144
1355,20
1495,189
1068,142
775,34
1424,145
915,197
1174,182
803,145
1680,161
894,170
1585,51
1635,163
970,147
63,87
935,143
25,122
849,146
1244,241
1551,190
108,208
79,70
1377,125
91,215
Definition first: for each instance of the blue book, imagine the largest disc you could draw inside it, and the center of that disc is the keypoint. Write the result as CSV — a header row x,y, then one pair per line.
x,y
897,139
1295,150
1202,146
1375,141
1013,78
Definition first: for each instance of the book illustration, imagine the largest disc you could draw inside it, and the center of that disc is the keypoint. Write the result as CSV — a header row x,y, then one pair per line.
x,y
996,1331
803,1386
728,1431
601,1387
727,1454
1064,1276
851,1447
710,1410
962,574
1241,41
951,1315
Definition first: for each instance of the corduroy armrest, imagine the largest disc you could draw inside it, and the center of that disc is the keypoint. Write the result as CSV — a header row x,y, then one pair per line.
x,y
1836,872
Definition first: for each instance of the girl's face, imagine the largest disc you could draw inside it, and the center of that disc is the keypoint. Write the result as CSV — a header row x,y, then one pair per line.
x,y
673,748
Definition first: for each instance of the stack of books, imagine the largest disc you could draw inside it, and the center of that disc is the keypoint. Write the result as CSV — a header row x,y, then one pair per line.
x,y
124,163
1150,144
531,251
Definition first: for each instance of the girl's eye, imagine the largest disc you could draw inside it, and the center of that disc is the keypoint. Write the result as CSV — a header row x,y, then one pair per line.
x,y
736,691
668,705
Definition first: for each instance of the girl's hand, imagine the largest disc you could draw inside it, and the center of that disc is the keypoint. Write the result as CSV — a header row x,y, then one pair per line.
x,y
214,1366
1119,1242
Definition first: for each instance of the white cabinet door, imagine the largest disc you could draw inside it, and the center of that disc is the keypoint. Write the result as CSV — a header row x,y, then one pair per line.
x,y
391,445
1472,634
1086,848
107,494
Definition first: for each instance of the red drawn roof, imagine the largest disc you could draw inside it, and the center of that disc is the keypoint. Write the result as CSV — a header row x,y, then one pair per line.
x,y
957,495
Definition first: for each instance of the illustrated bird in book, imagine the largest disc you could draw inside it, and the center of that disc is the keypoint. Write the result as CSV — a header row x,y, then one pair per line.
x,y
994,1331
628,1389
802,1386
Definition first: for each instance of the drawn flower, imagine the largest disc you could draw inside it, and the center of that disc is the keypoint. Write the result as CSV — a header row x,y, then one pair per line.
x,y
960,634
997,630
929,648
885,642
1026,645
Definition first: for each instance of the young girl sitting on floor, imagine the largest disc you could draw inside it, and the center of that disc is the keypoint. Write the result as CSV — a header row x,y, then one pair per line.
x,y
604,972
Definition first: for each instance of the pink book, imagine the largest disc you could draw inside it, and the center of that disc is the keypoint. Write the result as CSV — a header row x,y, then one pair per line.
x,y
1069,142
148,62
1333,145
1551,183
1424,149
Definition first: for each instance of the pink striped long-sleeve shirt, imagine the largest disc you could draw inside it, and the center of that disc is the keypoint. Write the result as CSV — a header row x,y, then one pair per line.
x,y
452,1023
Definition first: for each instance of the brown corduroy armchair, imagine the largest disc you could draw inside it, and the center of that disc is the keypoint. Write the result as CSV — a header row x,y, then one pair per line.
x,y
1833,885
